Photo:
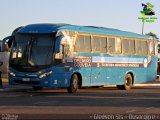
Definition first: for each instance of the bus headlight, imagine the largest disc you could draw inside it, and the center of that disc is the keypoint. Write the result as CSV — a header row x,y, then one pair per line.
x,y
45,74
12,74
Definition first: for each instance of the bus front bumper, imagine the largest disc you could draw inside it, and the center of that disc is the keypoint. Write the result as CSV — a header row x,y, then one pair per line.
x,y
43,82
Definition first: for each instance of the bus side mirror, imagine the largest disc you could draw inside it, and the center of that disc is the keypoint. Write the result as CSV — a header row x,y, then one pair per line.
x,y
4,46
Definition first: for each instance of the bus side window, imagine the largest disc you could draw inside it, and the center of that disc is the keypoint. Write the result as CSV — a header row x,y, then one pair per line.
x,y
141,47
138,47
114,45
111,45
95,44
103,42
132,46
62,55
58,57
87,43
83,44
151,48
66,51
79,43
99,44
125,46
128,46
144,47
118,45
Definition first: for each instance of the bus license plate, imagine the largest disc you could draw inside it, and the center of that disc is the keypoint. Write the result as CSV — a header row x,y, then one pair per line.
x,y
25,79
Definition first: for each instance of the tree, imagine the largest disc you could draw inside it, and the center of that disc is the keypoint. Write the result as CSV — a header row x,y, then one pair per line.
x,y
152,34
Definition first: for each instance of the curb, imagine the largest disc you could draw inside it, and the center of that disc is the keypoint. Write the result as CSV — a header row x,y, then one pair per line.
x,y
147,85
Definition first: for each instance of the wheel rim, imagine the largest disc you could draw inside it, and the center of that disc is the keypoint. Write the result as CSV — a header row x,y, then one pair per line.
x,y
75,83
128,81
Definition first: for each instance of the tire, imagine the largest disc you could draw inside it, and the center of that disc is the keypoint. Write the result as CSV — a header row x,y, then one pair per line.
x,y
127,83
73,84
120,87
37,88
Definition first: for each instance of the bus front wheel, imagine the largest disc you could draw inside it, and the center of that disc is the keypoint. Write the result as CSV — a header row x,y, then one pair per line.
x,y
127,83
73,84
37,88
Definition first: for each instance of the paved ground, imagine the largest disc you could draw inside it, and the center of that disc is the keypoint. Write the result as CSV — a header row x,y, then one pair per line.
x,y
89,103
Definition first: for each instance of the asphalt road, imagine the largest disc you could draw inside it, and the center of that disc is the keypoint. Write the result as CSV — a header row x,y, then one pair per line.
x,y
89,103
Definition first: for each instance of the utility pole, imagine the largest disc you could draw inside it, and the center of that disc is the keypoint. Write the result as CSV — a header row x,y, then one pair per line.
x,y
142,25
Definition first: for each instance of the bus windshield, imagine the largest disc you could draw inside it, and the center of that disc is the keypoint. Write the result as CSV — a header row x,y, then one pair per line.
x,y
32,50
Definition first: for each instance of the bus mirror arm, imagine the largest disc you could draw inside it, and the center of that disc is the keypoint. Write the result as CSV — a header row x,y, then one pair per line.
x,y
4,42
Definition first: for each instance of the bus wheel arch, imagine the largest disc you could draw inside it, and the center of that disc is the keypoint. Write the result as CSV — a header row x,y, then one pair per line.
x,y
79,79
75,82
132,77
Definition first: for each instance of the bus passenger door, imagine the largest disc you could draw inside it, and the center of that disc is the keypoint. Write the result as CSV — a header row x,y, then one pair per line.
x,y
83,66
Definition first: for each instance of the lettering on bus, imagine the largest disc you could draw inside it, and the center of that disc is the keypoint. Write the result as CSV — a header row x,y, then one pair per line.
x,y
82,62
125,65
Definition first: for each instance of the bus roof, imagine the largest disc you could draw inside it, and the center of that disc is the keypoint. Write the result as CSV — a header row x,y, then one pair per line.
x,y
50,28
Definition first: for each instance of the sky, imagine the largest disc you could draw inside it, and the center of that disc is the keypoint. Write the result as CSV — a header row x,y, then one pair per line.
x,y
119,14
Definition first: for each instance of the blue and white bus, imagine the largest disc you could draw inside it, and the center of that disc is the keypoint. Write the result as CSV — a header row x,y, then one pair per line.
x,y
70,56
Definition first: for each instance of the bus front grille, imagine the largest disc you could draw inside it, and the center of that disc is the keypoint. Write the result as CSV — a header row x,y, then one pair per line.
x,y
27,82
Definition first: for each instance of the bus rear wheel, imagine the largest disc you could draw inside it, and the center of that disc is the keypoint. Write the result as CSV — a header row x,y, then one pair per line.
x,y
127,83
73,84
